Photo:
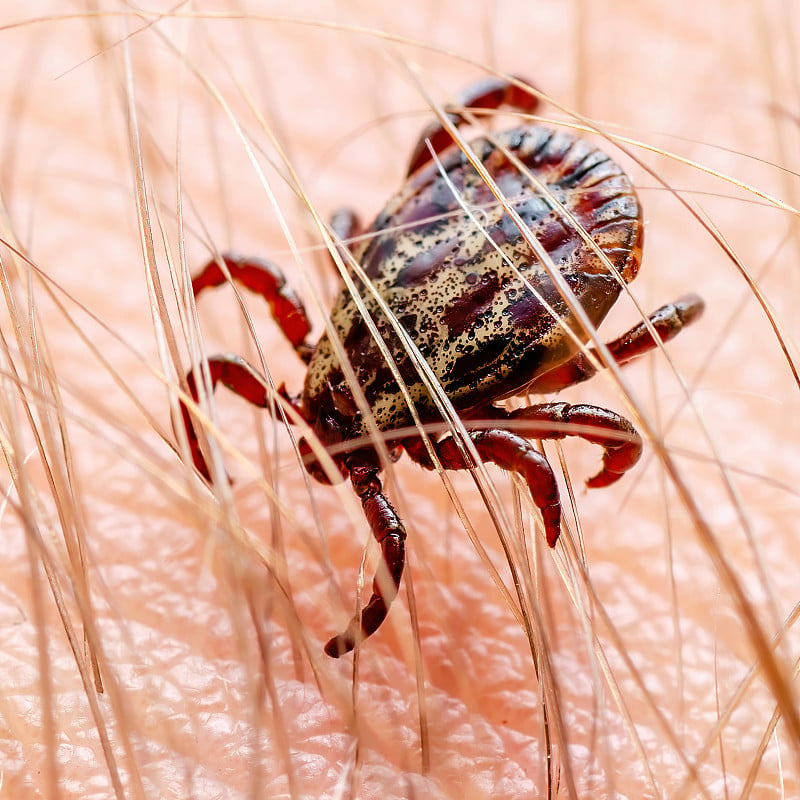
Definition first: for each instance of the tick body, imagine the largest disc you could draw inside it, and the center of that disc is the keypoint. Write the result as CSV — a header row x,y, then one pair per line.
x,y
460,277
461,280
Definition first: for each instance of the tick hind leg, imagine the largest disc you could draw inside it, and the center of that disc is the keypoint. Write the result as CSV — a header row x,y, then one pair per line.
x,y
390,534
490,93
668,321
510,452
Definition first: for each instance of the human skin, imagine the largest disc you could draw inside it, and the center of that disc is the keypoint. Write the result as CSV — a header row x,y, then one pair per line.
x,y
207,613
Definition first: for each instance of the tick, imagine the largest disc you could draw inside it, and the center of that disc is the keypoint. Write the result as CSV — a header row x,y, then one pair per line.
x,y
464,283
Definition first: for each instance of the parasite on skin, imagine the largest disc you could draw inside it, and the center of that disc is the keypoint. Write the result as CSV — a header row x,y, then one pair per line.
x,y
482,310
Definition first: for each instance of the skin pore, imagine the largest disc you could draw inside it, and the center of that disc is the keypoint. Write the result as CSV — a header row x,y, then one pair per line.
x,y
132,146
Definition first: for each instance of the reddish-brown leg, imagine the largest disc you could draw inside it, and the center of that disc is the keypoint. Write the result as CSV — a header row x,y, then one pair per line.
x,y
363,467
489,93
390,534
242,379
622,445
510,452
669,321
265,279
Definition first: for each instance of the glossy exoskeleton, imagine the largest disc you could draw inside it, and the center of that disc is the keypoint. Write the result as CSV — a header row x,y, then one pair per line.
x,y
481,308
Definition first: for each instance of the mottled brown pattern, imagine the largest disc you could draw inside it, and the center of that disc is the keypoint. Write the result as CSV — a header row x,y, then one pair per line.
x,y
468,290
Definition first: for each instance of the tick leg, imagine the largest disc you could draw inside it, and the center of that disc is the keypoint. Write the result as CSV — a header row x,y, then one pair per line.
x,y
510,452
669,321
488,93
265,279
390,534
242,379
621,443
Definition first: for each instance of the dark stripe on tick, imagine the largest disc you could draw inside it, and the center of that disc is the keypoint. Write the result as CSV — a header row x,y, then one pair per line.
x,y
423,209
541,146
559,147
357,337
381,250
474,301
579,171
528,311
605,177
422,268
515,139
470,368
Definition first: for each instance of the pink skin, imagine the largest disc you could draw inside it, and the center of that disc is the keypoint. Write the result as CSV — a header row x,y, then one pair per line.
x,y
215,684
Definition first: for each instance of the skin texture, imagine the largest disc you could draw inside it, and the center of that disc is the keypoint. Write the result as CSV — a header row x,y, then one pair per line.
x,y
208,615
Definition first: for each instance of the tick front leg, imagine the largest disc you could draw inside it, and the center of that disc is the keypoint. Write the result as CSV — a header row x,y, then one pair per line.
x,y
390,534
490,93
669,321
510,452
264,279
